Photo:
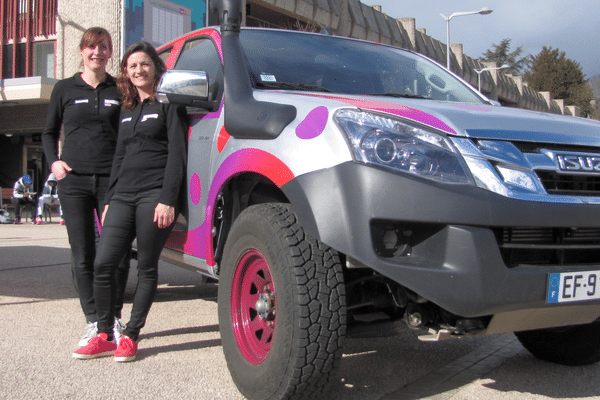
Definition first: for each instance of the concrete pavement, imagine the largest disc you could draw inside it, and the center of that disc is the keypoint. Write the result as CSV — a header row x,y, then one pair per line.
x,y
180,352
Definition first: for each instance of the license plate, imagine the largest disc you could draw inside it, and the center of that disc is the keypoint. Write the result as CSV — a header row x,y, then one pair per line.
x,y
568,287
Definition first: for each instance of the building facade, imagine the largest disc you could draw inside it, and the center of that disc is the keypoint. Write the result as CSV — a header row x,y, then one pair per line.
x,y
39,44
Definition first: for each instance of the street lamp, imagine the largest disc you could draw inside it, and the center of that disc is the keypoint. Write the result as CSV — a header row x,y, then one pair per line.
x,y
483,11
479,71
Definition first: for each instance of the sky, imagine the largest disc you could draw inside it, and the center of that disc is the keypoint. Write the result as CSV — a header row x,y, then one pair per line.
x,y
570,26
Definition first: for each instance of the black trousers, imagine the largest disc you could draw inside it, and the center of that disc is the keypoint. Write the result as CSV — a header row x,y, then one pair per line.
x,y
82,199
129,216
18,202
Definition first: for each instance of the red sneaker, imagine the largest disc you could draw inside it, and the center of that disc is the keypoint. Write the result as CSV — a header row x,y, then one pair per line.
x,y
62,222
98,346
38,221
127,349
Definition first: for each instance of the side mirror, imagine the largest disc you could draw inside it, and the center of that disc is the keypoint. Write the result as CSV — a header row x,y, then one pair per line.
x,y
189,88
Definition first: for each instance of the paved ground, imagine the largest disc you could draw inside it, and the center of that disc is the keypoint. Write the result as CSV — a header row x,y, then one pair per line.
x,y
180,352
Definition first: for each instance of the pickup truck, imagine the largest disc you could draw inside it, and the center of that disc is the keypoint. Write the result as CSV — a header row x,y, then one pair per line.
x,y
333,181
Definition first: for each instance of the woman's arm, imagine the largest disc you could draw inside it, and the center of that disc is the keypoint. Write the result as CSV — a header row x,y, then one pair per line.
x,y
177,130
51,132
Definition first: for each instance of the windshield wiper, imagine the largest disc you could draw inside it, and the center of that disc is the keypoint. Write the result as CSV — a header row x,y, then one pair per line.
x,y
402,95
291,86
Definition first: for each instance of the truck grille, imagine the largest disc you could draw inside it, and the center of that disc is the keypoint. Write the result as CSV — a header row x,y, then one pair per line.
x,y
570,184
548,246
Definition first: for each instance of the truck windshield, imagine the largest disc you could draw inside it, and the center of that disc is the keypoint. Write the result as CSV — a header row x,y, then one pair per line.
x,y
288,60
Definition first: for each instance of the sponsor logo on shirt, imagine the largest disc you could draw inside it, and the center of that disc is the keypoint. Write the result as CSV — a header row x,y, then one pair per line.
x,y
110,102
148,116
128,119
81,101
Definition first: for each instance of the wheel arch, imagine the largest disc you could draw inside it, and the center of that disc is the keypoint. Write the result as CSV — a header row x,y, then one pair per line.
x,y
239,193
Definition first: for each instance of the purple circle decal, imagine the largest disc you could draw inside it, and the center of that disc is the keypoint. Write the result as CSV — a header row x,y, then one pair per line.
x,y
314,123
195,189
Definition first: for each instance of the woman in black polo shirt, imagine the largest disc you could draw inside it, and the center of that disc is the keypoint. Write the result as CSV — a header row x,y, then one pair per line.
x,y
143,197
87,106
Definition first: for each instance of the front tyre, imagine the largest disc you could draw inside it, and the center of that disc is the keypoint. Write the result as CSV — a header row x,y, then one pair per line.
x,y
282,314
570,345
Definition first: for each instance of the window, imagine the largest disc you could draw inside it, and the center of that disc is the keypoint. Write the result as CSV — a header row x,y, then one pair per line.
x,y
291,60
22,63
164,55
7,62
23,6
43,59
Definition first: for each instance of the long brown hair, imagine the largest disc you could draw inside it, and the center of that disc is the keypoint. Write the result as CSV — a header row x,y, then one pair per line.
x,y
128,91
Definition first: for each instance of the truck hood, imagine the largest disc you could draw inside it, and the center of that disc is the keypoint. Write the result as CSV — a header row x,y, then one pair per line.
x,y
484,121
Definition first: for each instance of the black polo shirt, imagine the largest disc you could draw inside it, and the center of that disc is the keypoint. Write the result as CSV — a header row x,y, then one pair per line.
x,y
151,151
90,118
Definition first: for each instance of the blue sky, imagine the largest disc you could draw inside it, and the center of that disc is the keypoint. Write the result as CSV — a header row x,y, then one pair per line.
x,y
572,27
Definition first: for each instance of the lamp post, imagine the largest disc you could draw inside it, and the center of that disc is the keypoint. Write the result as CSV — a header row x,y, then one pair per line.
x,y
483,11
479,71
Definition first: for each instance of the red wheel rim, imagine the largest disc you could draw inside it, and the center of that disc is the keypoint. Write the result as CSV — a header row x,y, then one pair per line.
x,y
253,307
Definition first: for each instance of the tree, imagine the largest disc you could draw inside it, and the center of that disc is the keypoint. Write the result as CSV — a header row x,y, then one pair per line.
x,y
551,71
595,86
501,54
585,100
595,83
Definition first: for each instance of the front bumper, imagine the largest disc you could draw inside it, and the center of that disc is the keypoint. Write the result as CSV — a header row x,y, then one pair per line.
x,y
457,264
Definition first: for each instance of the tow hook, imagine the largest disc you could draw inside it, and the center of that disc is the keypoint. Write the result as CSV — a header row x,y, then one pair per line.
x,y
419,316
436,336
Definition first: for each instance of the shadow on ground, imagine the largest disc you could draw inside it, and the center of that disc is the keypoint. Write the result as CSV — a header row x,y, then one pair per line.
x,y
36,272
524,373
402,367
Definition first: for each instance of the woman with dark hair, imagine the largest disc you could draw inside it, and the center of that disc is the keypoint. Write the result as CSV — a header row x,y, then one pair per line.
x,y
87,106
143,197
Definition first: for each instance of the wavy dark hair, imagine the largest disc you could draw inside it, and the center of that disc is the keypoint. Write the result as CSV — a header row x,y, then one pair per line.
x,y
128,91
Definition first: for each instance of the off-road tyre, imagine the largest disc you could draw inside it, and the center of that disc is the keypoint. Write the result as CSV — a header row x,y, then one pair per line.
x,y
293,351
570,345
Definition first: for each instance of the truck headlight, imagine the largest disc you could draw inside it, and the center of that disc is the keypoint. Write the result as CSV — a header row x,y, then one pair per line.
x,y
402,146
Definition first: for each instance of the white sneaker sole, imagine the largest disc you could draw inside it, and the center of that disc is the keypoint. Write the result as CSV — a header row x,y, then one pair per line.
x,y
124,359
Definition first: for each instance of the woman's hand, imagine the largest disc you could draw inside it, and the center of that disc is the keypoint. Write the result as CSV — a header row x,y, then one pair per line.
x,y
164,215
103,214
60,168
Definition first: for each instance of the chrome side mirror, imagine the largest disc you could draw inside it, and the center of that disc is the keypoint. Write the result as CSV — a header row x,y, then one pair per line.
x,y
183,87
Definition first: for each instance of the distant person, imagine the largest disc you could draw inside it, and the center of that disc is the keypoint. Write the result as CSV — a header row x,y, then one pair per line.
x,y
87,106
143,199
22,196
49,197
